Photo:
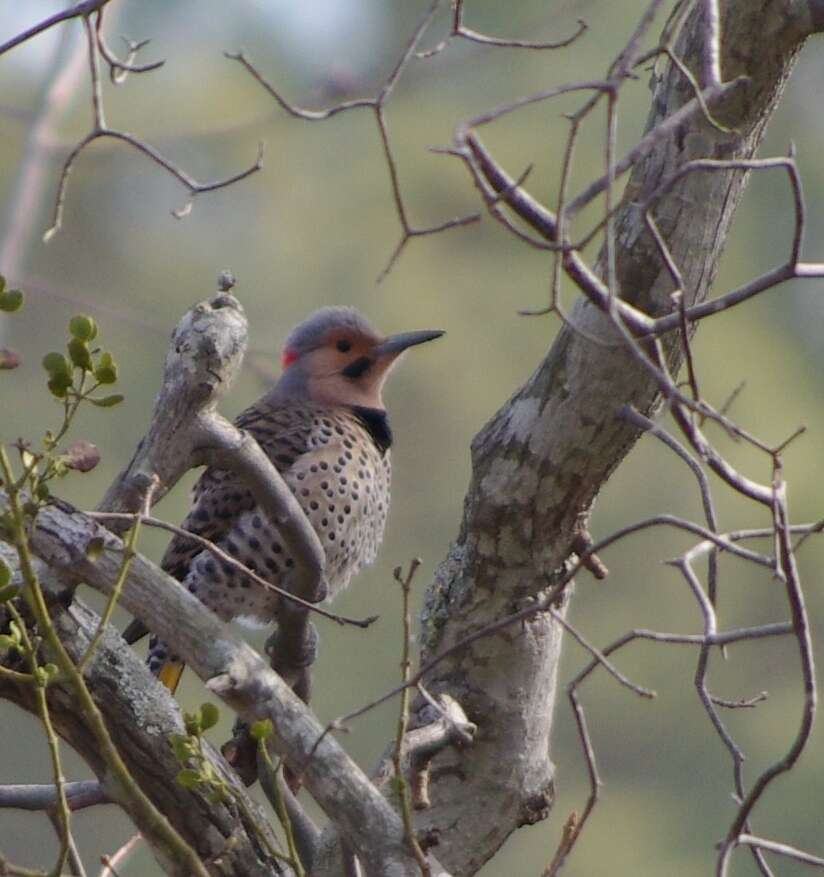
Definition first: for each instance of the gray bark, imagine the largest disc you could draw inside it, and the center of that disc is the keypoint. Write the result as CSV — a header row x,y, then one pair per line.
x,y
64,538
539,463
141,718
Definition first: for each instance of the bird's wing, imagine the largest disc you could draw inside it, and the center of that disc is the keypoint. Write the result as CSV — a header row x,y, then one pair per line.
x,y
219,496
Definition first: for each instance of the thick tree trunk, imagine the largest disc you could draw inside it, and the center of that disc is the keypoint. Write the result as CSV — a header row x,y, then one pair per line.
x,y
538,465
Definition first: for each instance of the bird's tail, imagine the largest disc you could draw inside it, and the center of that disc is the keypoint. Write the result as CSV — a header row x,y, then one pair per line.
x,y
164,664
169,674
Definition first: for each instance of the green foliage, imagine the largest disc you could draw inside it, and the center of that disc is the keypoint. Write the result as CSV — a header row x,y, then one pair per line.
x,y
8,592
60,374
189,778
108,401
44,674
11,300
204,719
5,576
72,379
68,375
106,370
262,730
83,328
55,363
209,715
14,640
80,355
197,771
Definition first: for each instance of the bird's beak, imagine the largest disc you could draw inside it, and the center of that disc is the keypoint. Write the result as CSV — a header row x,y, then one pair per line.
x,y
395,344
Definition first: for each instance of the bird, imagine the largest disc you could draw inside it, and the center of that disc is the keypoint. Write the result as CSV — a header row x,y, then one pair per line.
x,y
325,428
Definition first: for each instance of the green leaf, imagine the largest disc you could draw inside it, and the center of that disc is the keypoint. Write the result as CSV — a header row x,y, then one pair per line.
x,y
261,730
2,283
9,592
208,774
42,491
15,633
188,778
106,369
56,364
79,353
59,380
59,468
182,747
218,796
192,724
209,716
83,327
108,401
11,300
7,643
57,388
5,573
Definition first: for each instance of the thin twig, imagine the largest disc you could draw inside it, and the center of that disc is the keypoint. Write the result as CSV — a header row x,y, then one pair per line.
x,y
221,555
75,863
119,70
175,846
129,551
376,105
801,629
41,681
43,796
403,720
119,857
83,8
460,31
180,175
600,657
781,849
274,793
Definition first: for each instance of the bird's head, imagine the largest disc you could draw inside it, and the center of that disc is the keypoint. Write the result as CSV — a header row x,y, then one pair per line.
x,y
336,357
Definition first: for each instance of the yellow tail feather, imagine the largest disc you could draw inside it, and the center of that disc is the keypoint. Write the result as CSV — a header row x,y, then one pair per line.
x,y
170,674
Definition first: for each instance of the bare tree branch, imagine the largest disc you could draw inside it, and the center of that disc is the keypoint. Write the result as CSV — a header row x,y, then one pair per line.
x,y
236,674
376,105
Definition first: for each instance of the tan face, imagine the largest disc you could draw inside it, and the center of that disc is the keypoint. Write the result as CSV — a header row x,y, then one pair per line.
x,y
348,370
349,367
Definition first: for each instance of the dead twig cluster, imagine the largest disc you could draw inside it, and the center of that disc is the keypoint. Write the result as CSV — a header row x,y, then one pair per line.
x,y
91,14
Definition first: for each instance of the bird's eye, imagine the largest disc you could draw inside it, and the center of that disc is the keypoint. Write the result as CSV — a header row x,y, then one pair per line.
x,y
344,345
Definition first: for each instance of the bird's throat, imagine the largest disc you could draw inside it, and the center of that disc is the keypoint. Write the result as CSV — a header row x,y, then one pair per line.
x,y
376,423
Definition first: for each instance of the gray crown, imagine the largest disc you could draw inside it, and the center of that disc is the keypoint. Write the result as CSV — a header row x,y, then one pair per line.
x,y
313,330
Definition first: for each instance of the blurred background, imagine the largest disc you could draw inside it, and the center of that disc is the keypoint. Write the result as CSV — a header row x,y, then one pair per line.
x,y
316,226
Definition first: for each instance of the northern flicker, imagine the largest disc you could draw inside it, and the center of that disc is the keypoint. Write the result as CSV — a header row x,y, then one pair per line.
x,y
325,428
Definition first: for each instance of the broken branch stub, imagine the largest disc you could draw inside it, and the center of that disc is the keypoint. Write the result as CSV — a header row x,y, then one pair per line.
x,y
204,358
